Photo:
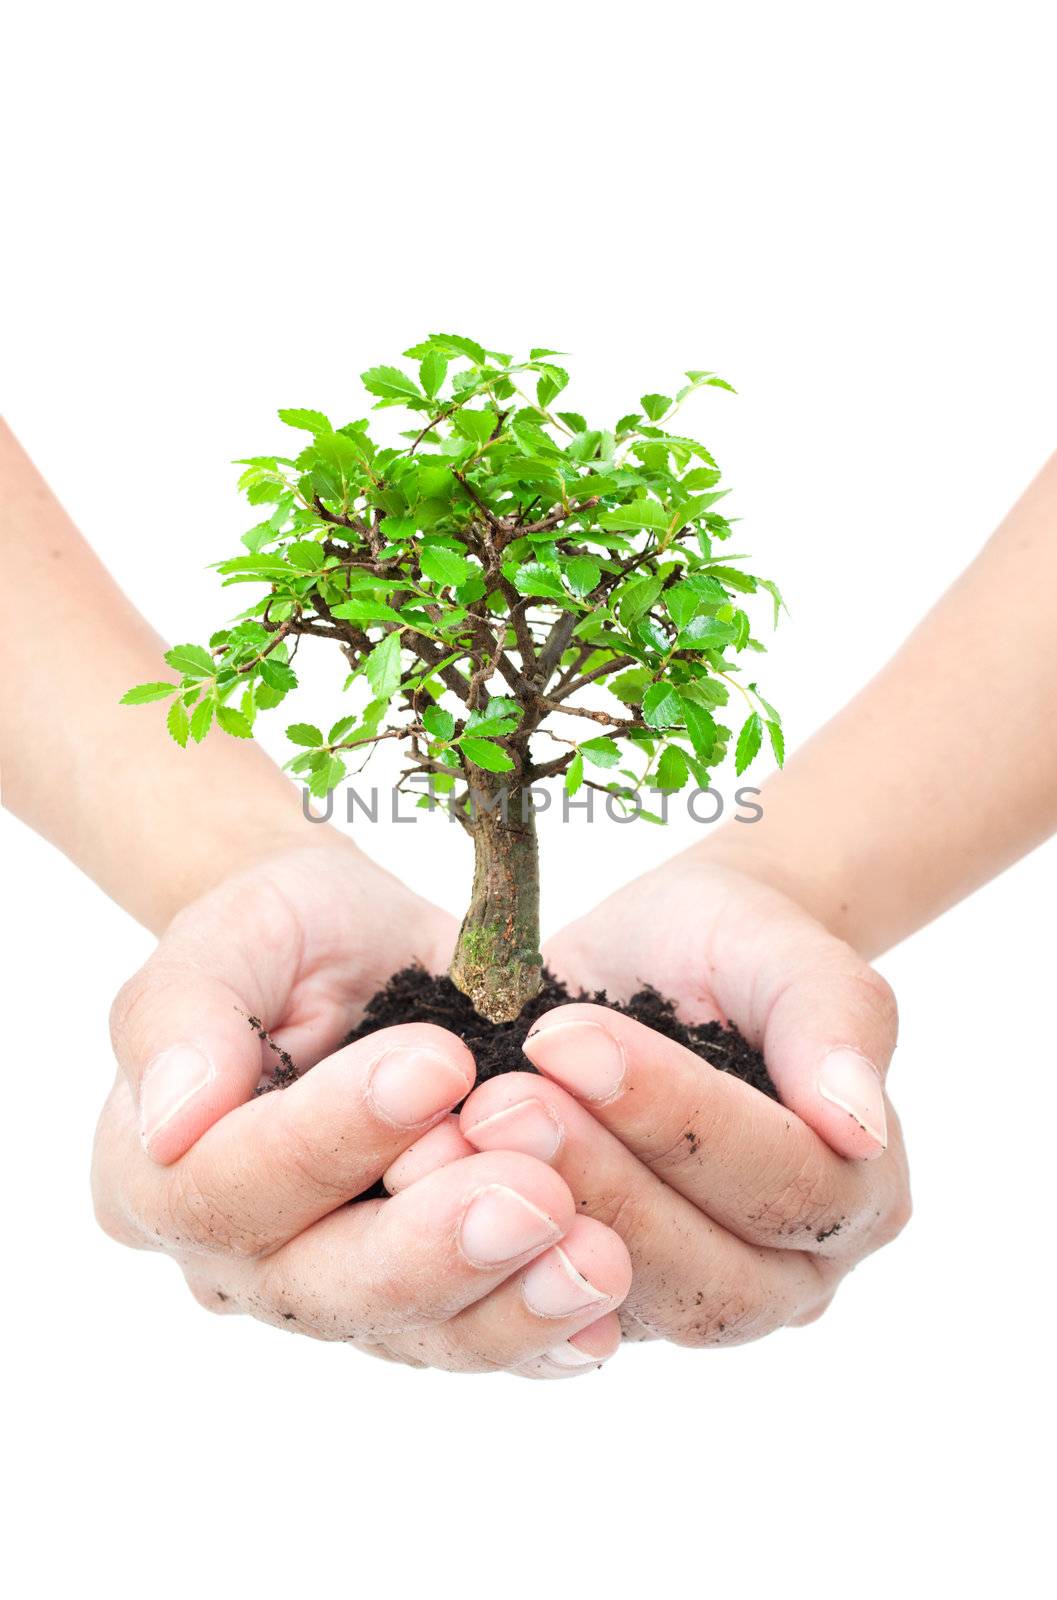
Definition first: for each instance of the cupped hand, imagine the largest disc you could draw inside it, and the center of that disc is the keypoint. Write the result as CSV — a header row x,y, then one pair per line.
x,y
481,1265
741,1215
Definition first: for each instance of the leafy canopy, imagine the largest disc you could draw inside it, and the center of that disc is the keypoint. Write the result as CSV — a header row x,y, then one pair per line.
x,y
478,575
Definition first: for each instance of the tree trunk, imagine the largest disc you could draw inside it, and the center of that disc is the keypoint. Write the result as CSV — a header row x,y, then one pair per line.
x,y
497,958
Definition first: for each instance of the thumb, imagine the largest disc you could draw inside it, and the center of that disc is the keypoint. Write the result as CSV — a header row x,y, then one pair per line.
x,y
184,1039
828,1042
826,1023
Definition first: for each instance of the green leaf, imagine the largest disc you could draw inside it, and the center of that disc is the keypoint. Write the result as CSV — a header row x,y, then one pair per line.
x,y
574,776
711,378
326,775
260,535
177,723
268,564
202,718
531,437
433,370
476,425
638,597
536,579
583,575
777,738
672,771
444,566
661,706
640,514
501,715
390,383
551,382
234,722
776,595
708,589
457,345
655,405
749,740
706,692
299,417
706,633
441,724
651,635
342,455
143,693
366,610
744,582
483,753
630,686
191,660
701,727
682,602
382,667
602,752
767,706
699,505
277,674
305,733
306,555
700,478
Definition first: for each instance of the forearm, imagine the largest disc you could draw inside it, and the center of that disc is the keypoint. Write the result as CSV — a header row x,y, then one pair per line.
x,y
154,825
943,771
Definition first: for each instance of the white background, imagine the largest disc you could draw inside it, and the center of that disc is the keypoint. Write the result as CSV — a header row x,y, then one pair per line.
x,y
847,210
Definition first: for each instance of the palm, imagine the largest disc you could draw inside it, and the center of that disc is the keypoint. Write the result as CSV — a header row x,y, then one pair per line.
x,y
680,934
310,936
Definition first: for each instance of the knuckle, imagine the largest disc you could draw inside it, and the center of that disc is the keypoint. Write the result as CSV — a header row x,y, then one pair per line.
x,y
733,1316
805,1203
126,1005
878,996
620,1211
894,1218
210,1297
883,993
460,1353
111,1219
306,1165
199,1220
109,1176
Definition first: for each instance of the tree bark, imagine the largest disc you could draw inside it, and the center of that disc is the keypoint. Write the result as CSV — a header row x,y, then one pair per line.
x,y
497,960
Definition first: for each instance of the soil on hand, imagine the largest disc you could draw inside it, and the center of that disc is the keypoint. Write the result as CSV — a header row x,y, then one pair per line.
x,y
415,995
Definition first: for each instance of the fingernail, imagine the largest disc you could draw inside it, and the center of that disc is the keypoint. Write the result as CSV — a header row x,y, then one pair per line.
x,y
408,1085
848,1080
500,1225
173,1079
554,1287
530,1127
567,1355
581,1055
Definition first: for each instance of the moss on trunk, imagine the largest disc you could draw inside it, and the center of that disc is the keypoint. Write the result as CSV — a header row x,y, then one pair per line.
x,y
497,960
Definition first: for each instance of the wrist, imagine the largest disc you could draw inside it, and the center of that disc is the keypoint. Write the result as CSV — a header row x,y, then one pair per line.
x,y
803,868
270,823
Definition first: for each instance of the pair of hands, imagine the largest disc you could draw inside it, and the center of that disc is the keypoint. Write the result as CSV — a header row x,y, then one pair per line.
x,y
626,1189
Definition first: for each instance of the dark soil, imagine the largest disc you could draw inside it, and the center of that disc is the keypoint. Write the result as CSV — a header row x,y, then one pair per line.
x,y
414,995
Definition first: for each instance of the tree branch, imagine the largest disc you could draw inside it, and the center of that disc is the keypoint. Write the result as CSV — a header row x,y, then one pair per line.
x,y
552,769
616,663
556,645
426,652
554,519
621,724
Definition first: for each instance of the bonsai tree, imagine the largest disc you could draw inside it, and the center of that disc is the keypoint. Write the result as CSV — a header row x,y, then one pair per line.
x,y
479,574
